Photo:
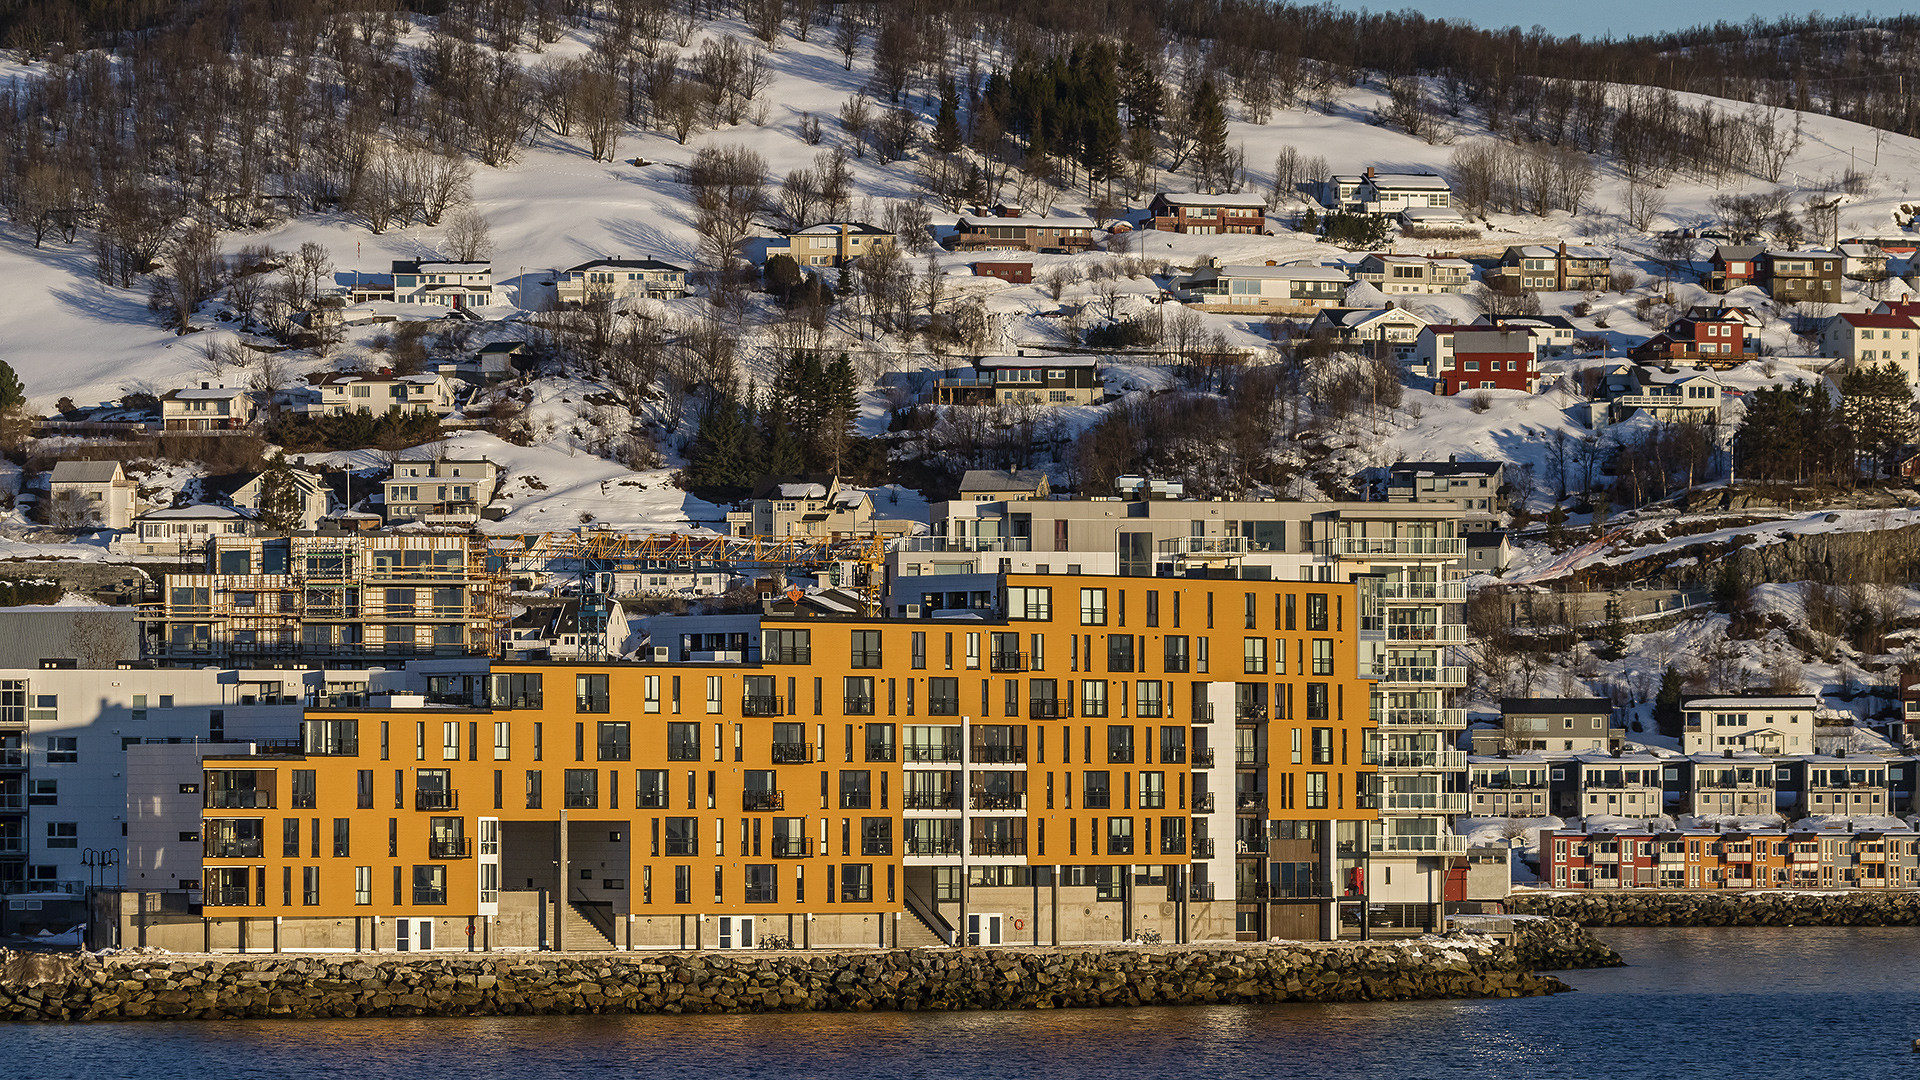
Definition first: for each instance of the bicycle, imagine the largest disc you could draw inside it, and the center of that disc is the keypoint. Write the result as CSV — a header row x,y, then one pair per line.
x,y
1149,937
775,941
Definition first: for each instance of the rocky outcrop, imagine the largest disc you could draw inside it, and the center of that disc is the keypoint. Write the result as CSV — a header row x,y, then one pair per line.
x,y
1657,907
129,987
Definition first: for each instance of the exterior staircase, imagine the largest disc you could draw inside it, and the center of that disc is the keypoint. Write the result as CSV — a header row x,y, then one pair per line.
x,y
916,934
580,932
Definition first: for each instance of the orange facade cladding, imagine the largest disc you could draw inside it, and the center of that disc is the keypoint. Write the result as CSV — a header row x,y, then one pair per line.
x,y
1068,642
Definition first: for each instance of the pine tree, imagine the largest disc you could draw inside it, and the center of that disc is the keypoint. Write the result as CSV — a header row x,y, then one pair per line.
x,y
721,461
1207,119
946,128
280,503
1877,404
12,394
1666,703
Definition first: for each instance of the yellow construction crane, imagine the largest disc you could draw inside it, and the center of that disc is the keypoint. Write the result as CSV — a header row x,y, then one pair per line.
x,y
593,557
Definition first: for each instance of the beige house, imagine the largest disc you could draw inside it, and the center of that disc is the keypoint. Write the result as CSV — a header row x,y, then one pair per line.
x,y
176,530
342,392
90,495
1396,274
812,506
1002,485
1768,725
1286,290
1557,725
207,408
831,244
614,280
439,491
1868,339
316,499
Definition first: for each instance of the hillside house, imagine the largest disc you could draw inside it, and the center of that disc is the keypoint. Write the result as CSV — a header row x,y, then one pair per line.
x,y
443,284
1718,339
1536,268
1013,273
616,280
1005,380
1489,551
1459,358
1207,215
1674,395
1795,276
439,491
336,393
1475,488
1387,331
1767,725
90,495
1396,274
1010,229
1286,290
831,244
1555,333
1866,340
818,505
553,632
1551,725
1384,194
177,530
1416,218
1732,266
316,498
1003,485
1863,262
208,408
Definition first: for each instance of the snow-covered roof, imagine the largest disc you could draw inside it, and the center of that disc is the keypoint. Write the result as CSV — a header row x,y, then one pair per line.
x,y
1353,317
1001,480
1287,273
207,393
434,266
1432,213
1795,702
85,472
801,491
835,228
625,264
1065,360
1541,251
198,512
1408,182
1063,221
1194,198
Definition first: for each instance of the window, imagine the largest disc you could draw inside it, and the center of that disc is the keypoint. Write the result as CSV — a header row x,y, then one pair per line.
x,y
1119,745
502,740
858,695
63,834
1322,746
590,693
786,646
866,649
1254,655
613,741
943,697
363,885
519,691
650,789
1316,791
43,792
1147,701
309,886
683,741
582,789
1093,607
430,885
1096,792
1317,708
920,650
1322,656
1093,697
63,750
1316,611
533,789
1120,652
1028,603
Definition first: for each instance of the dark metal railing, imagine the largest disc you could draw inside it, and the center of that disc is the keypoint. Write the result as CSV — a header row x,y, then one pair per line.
x,y
436,800
759,705
999,845
998,755
792,847
1013,661
998,800
927,800
792,753
764,800
449,847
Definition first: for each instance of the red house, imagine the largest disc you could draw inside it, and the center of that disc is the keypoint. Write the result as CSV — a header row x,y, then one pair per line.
x,y
1717,341
1207,215
1013,273
1733,266
1462,358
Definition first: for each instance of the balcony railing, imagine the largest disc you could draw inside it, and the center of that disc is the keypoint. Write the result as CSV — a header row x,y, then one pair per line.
x,y
857,706
763,800
224,897
876,845
1175,755
1423,759
239,800
1250,845
449,847
680,845
1200,890
1203,849
1248,711
856,800
1203,759
999,845
1012,661
1219,547
1425,718
1448,844
1203,804
1432,802
1422,591
760,705
436,800
1119,845
928,800
763,894
1097,800
1249,755
1453,675
792,753
1202,714
1425,632
12,801
997,800
792,847
943,706
801,654
1348,547
969,543
13,759
933,845
1173,845
249,848
1249,804
880,752
1049,708
615,751
429,896
650,800
997,755
936,753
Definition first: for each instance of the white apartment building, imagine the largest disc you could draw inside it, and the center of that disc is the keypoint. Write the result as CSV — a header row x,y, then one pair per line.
x,y
1777,726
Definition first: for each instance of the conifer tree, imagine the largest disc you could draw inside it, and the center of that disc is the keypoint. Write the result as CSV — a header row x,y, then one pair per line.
x,y
946,127
280,507
1207,119
1666,703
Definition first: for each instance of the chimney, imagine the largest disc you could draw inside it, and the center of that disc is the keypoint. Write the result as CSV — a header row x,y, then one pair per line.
x,y
1369,172
1563,248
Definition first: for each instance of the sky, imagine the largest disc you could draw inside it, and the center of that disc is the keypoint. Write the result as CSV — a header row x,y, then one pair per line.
x,y
1621,18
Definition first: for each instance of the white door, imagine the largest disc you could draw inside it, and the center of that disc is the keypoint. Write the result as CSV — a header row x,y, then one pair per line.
x,y
736,932
983,929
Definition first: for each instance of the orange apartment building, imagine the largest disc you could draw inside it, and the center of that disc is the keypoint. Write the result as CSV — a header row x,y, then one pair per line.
x,y
1070,759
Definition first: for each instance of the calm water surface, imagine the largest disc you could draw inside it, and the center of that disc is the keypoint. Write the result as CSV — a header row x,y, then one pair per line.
x,y
1826,1003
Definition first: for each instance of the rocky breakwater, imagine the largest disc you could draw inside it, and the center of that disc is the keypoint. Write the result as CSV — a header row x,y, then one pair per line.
x,y
1650,907
128,987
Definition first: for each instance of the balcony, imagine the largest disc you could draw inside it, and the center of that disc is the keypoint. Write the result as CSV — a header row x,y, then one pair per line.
x,y
1201,714
1203,804
680,845
928,800
1119,845
876,845
856,800
880,752
1201,891
791,654
1173,845
1244,756
1453,675
1423,718
1010,661
1049,708
969,543
1422,592
1207,548
792,847
1449,632
436,800
13,759
1249,803
1423,759
449,847
997,800
239,799
983,754
942,752
224,897
12,800
1428,802
1250,845
1203,759
792,753
1416,547
1427,843
242,848
424,895
933,845
1203,849
760,705
1249,712
763,800
857,706
1000,846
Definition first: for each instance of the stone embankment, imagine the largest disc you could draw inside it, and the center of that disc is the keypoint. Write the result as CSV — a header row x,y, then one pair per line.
x,y
128,987
1650,907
